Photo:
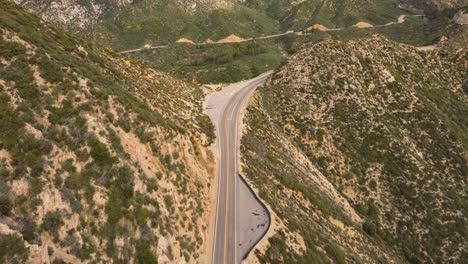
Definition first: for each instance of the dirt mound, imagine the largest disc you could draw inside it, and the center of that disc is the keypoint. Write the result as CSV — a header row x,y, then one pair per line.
x,y
184,40
317,26
363,25
231,39
401,18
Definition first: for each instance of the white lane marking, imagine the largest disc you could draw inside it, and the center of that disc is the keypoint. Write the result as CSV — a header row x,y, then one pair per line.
x,y
235,192
233,111
217,198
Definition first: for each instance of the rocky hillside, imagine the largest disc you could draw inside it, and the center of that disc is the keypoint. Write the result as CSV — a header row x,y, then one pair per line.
x,y
435,5
76,14
100,158
359,147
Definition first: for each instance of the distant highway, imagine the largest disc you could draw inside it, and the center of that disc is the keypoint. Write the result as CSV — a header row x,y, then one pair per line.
x,y
238,227
400,20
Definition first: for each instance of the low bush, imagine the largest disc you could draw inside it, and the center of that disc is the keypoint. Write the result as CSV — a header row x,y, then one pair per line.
x,y
12,249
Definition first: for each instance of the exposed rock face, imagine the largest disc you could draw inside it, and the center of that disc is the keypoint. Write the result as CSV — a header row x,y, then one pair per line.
x,y
385,126
70,14
77,14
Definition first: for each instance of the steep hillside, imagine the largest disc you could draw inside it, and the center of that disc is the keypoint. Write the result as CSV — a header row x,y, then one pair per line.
x,y
359,147
100,158
79,15
340,13
129,24
435,5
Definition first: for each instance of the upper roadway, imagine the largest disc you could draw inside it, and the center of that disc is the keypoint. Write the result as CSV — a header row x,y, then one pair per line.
x,y
241,220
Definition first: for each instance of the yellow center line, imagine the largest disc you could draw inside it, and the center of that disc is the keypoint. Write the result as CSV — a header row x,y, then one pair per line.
x,y
227,191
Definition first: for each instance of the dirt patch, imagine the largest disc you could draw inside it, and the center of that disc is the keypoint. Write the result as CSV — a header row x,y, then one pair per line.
x,y
363,25
337,223
231,39
317,26
401,18
185,40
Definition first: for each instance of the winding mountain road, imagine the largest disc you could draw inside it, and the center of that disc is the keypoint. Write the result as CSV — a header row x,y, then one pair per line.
x,y
400,20
241,219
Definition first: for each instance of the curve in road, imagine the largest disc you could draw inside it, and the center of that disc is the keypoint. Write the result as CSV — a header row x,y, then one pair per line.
x,y
241,219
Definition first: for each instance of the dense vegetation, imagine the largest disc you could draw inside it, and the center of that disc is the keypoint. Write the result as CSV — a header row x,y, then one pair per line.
x,y
215,64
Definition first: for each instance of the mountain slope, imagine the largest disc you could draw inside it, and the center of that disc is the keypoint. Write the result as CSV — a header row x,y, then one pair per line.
x,y
100,158
360,147
435,5
130,24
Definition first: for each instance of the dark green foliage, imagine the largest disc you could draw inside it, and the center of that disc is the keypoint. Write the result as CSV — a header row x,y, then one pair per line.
x,y
20,73
336,253
25,150
9,50
169,202
144,136
369,227
29,231
141,215
12,249
101,155
35,186
207,127
49,70
52,222
116,143
5,202
121,194
144,253
11,125
62,115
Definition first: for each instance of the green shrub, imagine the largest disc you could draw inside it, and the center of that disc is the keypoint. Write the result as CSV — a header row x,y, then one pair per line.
x,y
369,227
336,253
52,222
121,194
101,154
35,186
12,249
9,49
144,136
29,231
169,202
5,203
49,70
141,215
144,253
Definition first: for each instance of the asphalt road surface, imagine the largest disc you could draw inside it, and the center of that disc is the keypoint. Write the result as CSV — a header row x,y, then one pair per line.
x,y
240,218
